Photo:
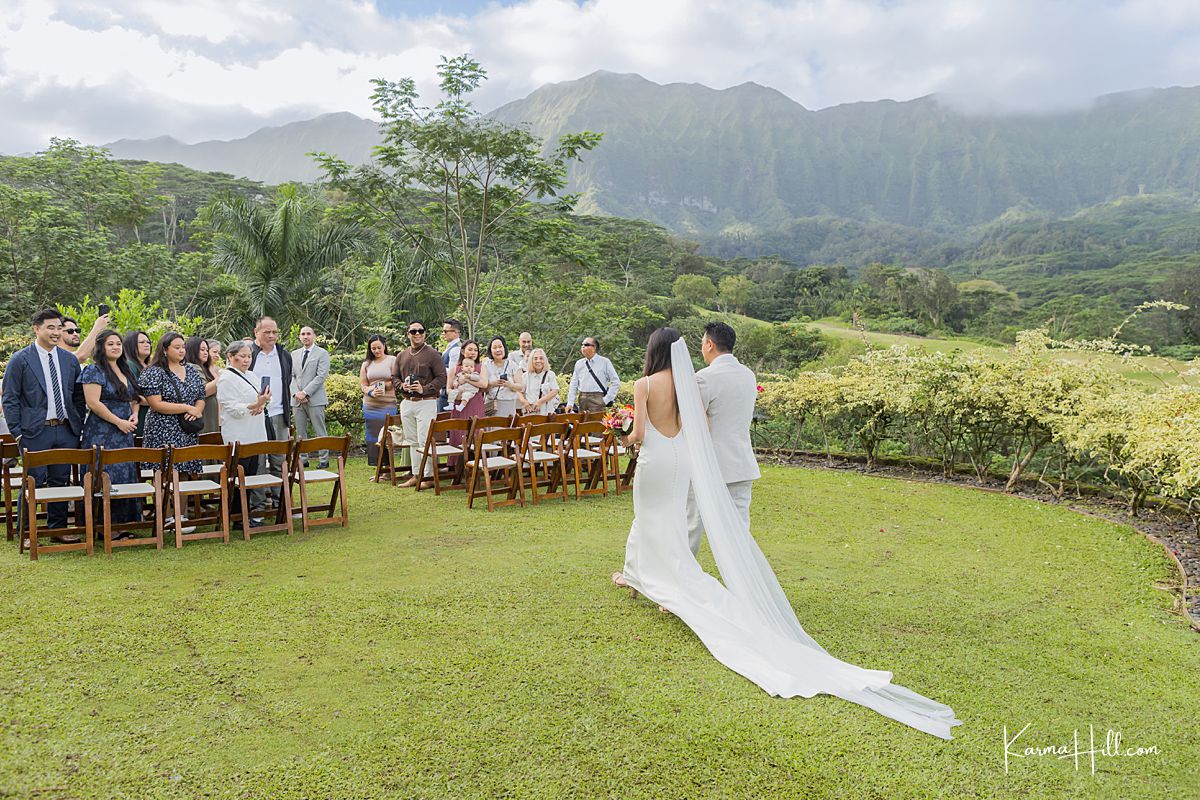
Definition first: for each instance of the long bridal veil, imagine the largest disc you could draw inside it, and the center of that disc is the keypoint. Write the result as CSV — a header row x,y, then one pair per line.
x,y
752,583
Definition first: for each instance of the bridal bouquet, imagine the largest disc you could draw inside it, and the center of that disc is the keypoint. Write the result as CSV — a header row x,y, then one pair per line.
x,y
619,420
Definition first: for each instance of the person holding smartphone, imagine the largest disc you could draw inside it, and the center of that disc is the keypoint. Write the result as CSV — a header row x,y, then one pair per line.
x,y
243,398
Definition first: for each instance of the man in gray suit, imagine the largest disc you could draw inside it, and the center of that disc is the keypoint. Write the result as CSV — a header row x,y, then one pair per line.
x,y
310,368
729,391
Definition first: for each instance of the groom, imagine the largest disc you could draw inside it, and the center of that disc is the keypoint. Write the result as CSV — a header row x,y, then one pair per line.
x,y
728,390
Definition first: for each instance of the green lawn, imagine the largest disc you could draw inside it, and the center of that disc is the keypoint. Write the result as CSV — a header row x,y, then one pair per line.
x,y
1152,370
428,651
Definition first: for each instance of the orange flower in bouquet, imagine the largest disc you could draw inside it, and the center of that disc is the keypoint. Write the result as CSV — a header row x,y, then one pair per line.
x,y
619,420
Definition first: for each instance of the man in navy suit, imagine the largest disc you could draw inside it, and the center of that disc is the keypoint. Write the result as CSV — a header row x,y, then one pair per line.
x,y
43,403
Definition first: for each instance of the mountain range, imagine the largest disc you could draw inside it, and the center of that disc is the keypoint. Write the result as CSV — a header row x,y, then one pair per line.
x,y
738,162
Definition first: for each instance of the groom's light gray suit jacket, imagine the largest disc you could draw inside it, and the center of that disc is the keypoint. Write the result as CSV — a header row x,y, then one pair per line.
x,y
729,390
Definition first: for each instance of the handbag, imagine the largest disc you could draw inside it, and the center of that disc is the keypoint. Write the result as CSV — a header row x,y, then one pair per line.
x,y
189,426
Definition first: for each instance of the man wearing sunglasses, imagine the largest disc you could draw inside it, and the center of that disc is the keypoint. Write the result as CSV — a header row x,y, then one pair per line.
x,y
594,381
69,340
419,375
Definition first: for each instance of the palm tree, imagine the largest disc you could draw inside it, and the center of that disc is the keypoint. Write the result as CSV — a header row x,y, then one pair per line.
x,y
277,255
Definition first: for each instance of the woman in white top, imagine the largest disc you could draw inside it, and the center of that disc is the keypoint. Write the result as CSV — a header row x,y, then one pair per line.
x,y
500,399
241,402
539,390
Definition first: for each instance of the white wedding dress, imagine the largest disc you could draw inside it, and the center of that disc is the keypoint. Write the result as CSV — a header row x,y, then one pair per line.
x,y
747,622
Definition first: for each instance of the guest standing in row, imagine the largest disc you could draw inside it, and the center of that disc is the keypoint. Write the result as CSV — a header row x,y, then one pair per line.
x,y
111,394
43,407
463,377
379,396
310,368
269,361
418,378
501,396
243,402
174,389
452,335
198,353
518,359
137,357
594,381
539,387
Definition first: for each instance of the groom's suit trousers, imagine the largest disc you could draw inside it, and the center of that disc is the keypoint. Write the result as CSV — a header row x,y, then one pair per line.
x,y
738,490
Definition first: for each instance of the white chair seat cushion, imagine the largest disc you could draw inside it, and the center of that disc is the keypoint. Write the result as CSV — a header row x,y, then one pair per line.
x,y
15,483
211,469
146,474
542,455
593,439
620,450
586,454
491,447
496,462
256,481
448,450
132,490
319,475
194,487
59,493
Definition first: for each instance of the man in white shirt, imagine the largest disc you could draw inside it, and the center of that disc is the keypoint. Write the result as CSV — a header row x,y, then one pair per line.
x,y
518,360
451,354
310,368
729,391
594,381
269,361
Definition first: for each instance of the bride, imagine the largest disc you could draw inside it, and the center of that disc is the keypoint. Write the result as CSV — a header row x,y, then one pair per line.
x,y
747,622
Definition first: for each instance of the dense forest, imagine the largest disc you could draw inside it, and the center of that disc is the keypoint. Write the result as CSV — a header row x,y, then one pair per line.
x,y
76,224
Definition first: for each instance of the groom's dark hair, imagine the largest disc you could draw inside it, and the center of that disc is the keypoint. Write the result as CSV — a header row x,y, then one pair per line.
x,y
658,350
720,335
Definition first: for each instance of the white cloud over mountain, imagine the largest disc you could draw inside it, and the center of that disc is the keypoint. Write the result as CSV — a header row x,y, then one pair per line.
x,y
197,70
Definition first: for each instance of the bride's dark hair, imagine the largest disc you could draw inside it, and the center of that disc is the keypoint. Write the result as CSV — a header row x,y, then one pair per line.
x,y
658,350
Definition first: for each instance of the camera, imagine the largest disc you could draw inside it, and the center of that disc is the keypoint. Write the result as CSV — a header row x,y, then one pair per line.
x,y
103,309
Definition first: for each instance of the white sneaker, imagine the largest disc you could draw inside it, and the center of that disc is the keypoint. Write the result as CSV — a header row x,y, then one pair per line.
x,y
170,522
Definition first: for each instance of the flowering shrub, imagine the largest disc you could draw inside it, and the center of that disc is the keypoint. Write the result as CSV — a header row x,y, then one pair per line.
x,y
1029,414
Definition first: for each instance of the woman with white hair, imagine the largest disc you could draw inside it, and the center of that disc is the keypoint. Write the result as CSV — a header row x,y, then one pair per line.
x,y
242,402
539,390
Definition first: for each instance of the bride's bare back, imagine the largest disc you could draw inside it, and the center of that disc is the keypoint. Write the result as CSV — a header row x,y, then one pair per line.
x,y
654,399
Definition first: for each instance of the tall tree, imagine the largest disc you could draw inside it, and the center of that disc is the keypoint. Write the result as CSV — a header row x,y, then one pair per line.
x,y
455,187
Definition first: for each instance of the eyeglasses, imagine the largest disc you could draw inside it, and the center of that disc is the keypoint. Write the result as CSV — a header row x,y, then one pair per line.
x,y
70,330
416,330
589,344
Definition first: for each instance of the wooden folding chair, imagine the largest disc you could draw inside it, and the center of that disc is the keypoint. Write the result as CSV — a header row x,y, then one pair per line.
x,y
140,490
435,451
484,424
505,461
615,450
390,447
196,489
570,418
10,477
79,489
263,480
532,419
543,454
302,477
588,459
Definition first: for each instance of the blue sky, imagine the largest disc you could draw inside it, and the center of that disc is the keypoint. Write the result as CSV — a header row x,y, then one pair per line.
x,y
100,70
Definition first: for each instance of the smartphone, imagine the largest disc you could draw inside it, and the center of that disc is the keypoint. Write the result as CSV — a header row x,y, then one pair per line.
x,y
266,384
103,309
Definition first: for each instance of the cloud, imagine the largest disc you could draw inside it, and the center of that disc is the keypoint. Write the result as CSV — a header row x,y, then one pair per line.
x,y
212,69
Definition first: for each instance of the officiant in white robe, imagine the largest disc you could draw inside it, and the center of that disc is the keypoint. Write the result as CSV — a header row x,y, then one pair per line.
x,y
729,390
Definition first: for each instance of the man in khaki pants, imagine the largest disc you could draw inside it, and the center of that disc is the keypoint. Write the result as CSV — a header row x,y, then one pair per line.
x,y
419,375
594,380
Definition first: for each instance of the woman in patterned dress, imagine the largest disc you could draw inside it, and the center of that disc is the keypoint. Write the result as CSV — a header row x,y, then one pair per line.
x,y
175,390
110,392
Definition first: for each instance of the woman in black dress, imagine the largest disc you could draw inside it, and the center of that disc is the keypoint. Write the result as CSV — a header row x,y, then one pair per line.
x,y
175,390
110,391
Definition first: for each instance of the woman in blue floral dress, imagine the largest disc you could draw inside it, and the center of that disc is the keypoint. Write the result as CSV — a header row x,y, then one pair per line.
x,y
110,391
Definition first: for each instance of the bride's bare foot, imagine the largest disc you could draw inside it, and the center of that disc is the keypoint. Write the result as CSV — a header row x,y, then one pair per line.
x,y
619,580
663,609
